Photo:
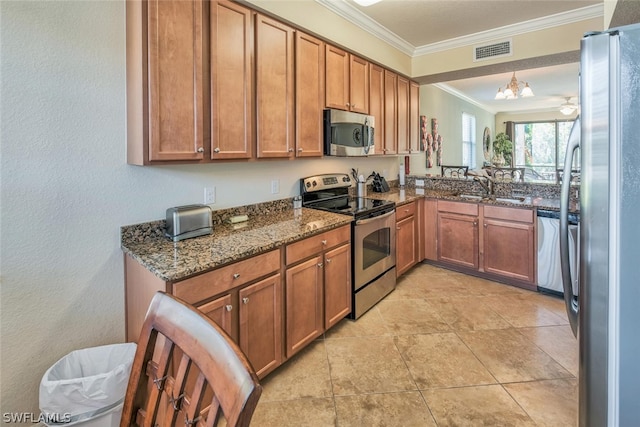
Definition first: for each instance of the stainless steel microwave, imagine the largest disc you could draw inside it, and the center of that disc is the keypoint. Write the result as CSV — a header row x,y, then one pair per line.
x,y
348,134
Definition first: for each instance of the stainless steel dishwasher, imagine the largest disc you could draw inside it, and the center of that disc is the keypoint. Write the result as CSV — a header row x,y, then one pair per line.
x,y
549,270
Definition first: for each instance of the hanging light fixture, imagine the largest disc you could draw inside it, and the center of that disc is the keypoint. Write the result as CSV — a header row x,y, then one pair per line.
x,y
568,107
512,89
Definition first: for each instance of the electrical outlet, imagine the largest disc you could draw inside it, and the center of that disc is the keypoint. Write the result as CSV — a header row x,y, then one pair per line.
x,y
419,182
275,186
209,195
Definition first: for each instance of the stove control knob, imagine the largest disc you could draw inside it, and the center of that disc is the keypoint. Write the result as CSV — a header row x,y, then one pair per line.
x,y
315,183
308,184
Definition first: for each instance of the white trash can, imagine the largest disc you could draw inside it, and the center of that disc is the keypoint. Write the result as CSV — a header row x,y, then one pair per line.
x,y
87,386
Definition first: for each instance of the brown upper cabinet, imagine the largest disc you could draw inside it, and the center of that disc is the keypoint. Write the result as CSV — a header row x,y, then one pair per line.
x,y
347,81
402,96
274,88
390,113
231,50
376,104
309,95
165,87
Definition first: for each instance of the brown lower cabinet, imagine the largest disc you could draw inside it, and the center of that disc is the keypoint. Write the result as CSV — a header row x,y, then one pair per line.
x,y
318,286
247,300
406,237
496,241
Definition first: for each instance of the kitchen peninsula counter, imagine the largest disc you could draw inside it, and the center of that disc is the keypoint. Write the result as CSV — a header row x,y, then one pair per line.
x,y
173,261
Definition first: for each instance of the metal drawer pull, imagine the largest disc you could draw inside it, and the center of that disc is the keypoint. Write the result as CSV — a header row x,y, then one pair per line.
x,y
229,307
236,275
245,300
216,150
320,265
200,150
328,260
324,242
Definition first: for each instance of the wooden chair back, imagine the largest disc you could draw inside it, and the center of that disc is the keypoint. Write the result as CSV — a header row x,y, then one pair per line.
x,y
187,371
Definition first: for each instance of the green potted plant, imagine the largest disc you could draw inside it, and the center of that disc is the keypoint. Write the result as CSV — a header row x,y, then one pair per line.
x,y
502,150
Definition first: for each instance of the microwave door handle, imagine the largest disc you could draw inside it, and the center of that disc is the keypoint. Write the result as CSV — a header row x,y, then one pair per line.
x,y
366,136
571,301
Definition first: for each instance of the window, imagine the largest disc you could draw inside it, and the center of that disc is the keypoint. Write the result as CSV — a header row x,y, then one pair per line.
x,y
469,140
540,147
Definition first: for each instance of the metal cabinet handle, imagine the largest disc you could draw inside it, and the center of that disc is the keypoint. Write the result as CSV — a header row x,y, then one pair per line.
x,y
324,242
348,105
290,150
475,223
300,150
229,307
245,300
319,265
200,150
236,275
397,228
216,150
328,260
485,225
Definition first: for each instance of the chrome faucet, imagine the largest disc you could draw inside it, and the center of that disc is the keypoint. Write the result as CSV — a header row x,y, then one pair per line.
x,y
487,183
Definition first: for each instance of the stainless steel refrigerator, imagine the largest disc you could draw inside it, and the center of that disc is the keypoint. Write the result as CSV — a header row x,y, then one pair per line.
x,y
606,315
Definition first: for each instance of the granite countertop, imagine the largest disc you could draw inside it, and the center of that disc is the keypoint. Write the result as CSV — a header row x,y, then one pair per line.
x,y
228,243
407,195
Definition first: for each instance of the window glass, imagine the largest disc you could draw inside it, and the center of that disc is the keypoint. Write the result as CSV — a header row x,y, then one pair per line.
x,y
540,147
468,140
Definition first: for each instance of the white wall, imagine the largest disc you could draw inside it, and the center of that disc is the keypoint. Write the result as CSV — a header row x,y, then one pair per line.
x,y
67,190
448,109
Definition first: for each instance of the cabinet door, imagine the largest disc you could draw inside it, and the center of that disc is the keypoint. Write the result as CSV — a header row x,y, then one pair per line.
x,y
430,238
390,113
458,239
231,51
376,104
406,256
260,315
358,85
304,304
509,249
414,117
274,88
337,285
175,72
309,95
404,145
337,78
221,311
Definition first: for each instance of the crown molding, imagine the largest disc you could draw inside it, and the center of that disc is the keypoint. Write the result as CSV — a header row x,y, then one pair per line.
x,y
353,15
458,94
546,22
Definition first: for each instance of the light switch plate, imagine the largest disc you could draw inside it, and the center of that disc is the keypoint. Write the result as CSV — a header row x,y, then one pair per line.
x,y
419,182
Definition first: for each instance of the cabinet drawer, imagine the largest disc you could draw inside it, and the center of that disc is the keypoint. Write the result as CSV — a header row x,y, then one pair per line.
x,y
509,214
203,286
458,207
405,211
315,244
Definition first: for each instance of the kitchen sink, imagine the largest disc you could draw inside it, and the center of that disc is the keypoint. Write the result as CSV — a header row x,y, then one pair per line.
x,y
470,196
515,200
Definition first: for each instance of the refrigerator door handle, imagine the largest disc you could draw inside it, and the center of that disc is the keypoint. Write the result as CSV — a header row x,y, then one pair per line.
x,y
571,301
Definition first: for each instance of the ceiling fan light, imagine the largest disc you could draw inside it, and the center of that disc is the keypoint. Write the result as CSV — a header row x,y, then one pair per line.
x,y
500,94
508,93
366,3
526,91
568,108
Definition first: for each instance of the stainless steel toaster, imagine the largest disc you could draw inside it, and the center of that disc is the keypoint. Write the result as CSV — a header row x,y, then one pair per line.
x,y
184,222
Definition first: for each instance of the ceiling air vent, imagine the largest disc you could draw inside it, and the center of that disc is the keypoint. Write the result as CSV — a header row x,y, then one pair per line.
x,y
490,51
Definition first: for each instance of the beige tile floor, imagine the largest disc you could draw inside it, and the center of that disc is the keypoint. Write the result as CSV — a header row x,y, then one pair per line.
x,y
443,349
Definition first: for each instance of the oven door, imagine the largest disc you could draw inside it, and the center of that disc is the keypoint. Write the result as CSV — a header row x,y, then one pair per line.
x,y
374,247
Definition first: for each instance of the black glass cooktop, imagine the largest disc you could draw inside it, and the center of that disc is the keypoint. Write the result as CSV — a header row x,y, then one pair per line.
x,y
354,206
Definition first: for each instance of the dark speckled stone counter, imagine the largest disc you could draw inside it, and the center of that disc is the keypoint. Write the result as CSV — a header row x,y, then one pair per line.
x,y
402,196
171,261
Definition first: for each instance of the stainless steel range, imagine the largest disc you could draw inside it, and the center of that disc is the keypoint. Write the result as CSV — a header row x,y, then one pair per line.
x,y
373,236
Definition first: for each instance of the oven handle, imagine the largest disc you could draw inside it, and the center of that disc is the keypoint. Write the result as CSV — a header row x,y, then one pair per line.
x,y
375,218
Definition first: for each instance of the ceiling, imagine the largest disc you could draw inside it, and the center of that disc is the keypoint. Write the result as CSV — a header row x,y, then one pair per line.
x,y
418,24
